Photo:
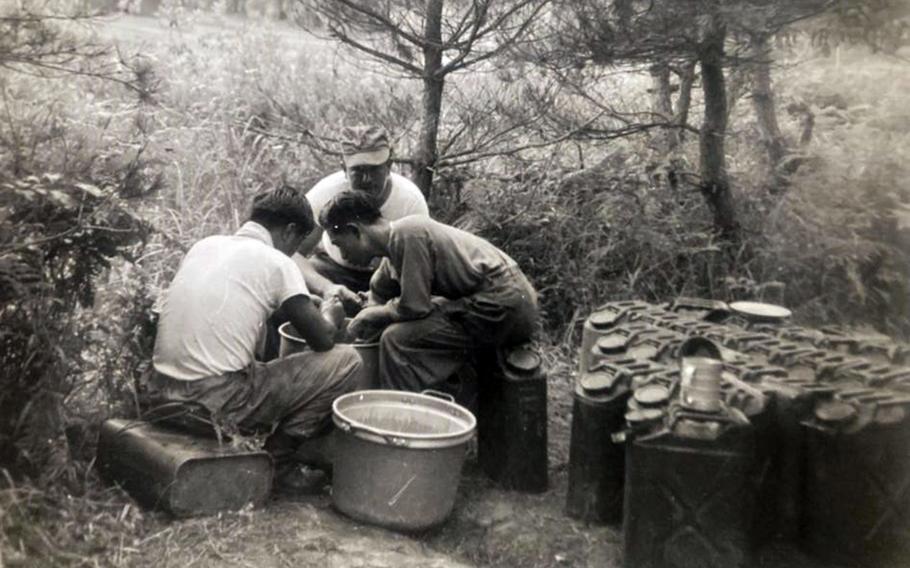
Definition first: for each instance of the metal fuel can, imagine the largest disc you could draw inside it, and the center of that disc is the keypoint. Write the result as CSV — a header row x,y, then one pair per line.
x,y
596,464
185,475
512,422
858,480
689,494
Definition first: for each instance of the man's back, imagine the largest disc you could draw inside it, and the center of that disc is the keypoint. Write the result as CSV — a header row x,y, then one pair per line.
x,y
218,303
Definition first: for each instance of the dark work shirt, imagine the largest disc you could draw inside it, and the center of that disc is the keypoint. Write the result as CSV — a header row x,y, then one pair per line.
x,y
429,258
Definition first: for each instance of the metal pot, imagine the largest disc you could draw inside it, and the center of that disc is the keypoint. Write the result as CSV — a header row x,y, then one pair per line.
x,y
398,457
369,353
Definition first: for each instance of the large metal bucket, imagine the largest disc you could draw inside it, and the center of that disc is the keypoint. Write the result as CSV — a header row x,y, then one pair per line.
x,y
398,457
369,353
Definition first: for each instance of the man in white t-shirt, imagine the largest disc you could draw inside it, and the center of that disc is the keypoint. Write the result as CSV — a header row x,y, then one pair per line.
x,y
212,317
367,158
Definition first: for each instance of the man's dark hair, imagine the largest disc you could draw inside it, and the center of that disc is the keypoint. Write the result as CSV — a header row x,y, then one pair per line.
x,y
281,206
349,207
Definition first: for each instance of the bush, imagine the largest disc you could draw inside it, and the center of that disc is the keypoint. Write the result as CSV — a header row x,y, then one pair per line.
x,y
59,235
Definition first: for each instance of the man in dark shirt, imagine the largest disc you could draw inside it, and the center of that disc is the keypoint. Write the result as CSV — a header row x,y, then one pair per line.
x,y
438,294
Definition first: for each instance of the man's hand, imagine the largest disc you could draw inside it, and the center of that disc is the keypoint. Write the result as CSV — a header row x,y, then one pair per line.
x,y
332,310
369,323
350,300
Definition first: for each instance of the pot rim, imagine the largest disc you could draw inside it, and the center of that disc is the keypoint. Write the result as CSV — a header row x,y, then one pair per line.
x,y
284,333
454,411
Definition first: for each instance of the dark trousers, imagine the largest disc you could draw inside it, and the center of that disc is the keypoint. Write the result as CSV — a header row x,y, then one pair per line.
x,y
290,397
419,354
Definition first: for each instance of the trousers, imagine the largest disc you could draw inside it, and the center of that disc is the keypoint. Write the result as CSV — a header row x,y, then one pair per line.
x,y
291,396
419,354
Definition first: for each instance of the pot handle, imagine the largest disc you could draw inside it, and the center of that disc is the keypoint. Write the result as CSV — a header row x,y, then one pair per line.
x,y
438,394
348,428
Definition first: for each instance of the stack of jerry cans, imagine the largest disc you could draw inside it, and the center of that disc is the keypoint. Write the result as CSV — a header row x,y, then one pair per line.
x,y
836,480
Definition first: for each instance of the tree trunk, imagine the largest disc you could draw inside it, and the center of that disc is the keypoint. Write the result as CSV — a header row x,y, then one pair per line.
x,y
715,184
433,84
668,137
684,100
763,103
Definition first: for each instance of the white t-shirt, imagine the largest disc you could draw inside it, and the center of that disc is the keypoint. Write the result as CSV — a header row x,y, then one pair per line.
x,y
217,305
404,199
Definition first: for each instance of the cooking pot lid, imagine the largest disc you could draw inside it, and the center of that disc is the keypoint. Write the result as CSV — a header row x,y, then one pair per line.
x,y
651,395
760,311
525,360
599,381
835,411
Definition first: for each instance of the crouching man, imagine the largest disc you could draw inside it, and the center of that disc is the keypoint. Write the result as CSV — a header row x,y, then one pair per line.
x,y
440,292
210,324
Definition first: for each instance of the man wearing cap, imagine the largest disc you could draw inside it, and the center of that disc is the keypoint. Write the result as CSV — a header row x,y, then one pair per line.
x,y
367,158
212,317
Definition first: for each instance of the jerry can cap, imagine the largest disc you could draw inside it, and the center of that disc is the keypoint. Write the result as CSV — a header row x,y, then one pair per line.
x,y
613,343
835,411
652,395
598,381
643,415
523,360
603,318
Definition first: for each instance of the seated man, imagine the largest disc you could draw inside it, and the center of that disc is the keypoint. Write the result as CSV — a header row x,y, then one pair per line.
x,y
212,317
443,292
367,158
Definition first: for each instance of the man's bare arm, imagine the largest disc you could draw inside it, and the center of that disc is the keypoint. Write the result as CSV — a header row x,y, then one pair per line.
x,y
317,326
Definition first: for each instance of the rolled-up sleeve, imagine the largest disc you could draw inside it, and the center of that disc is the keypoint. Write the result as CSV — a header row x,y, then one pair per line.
x,y
384,282
415,276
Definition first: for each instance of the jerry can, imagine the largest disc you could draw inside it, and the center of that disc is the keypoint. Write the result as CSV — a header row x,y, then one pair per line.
x,y
654,344
689,487
780,455
805,335
597,324
596,464
602,320
858,480
614,343
701,308
166,468
512,422
689,494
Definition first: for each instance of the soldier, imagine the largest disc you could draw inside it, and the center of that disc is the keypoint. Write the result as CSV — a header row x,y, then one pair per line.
x,y
210,324
367,158
439,294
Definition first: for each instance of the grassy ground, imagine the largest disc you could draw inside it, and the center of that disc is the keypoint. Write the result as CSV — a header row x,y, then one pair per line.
x,y
488,527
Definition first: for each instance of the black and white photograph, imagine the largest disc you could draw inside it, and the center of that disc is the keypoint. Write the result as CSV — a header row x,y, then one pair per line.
x,y
455,283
